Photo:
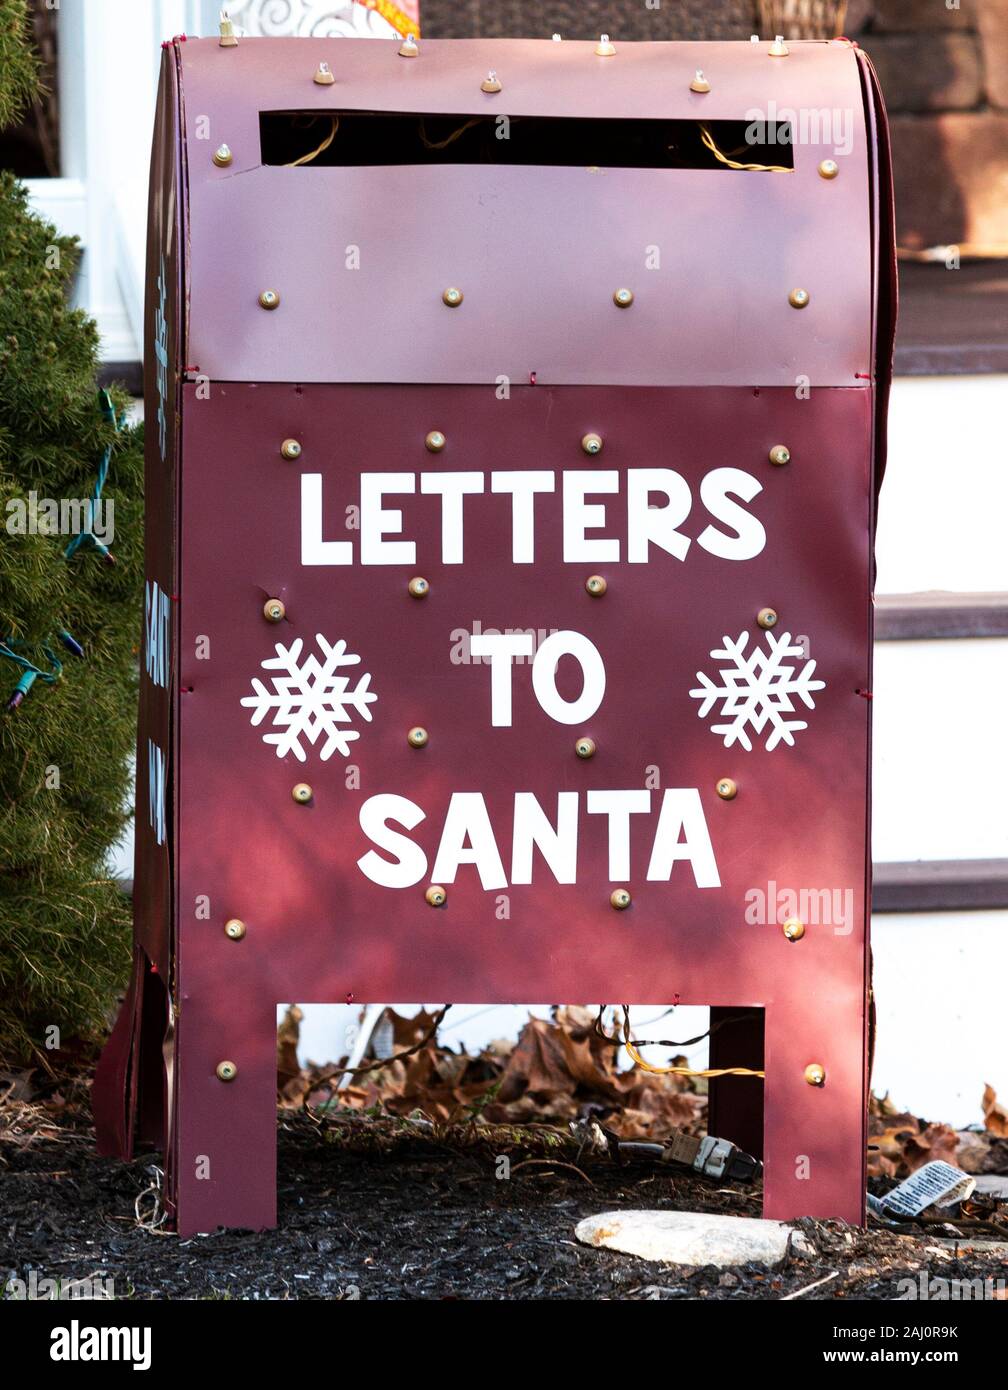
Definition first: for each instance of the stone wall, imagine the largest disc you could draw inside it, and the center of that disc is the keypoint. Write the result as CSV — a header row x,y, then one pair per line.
x,y
944,72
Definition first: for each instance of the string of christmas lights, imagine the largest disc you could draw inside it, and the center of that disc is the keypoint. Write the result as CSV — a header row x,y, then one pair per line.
x,y
30,672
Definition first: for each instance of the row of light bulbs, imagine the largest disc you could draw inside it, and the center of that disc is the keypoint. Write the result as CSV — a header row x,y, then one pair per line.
x,y
409,48
591,444
623,297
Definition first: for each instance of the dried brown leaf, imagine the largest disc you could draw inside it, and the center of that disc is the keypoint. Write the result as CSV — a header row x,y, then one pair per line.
x,y
937,1142
288,1036
995,1115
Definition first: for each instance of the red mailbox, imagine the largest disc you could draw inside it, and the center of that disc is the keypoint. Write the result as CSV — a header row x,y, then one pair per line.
x,y
515,419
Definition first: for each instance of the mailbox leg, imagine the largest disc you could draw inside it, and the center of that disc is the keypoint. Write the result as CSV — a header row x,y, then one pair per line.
x,y
224,1147
735,1103
814,1135
113,1093
128,1095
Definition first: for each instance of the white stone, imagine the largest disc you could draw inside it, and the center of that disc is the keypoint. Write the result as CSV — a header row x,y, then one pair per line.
x,y
692,1238
993,1184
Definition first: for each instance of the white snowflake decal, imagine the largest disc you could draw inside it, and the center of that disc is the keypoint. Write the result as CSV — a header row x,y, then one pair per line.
x,y
310,699
756,690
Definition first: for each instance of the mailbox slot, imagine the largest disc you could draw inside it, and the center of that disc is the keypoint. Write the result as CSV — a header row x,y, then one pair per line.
x,y
375,138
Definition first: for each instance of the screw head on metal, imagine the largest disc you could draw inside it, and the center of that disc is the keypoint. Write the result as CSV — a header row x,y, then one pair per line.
x,y
793,928
780,454
798,298
815,1074
417,737
419,587
619,899
302,793
596,585
585,747
222,156
699,83
829,169
452,297
436,895
324,75
778,49
269,299
767,618
591,444
291,449
435,441
490,83
409,48
605,48
226,1071
726,789
623,298
234,929
274,610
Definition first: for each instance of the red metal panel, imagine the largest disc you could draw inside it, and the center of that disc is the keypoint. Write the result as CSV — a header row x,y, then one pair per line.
x,y
885,283
164,331
538,251
319,929
118,1103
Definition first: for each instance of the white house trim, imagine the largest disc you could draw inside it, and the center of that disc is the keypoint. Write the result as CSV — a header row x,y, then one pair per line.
x,y
110,56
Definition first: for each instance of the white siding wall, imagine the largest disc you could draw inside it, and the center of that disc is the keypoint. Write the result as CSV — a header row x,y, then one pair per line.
x,y
941,753
110,55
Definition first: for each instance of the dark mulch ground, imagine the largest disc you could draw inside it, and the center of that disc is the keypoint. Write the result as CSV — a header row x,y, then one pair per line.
x,y
407,1219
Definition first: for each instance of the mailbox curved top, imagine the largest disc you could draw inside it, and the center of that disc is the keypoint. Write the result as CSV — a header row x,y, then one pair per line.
x,y
359,252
